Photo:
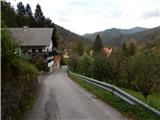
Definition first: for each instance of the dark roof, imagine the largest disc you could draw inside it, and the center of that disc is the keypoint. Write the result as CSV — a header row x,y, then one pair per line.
x,y
32,36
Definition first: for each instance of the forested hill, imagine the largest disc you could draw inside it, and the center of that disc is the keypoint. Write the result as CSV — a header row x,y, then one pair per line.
x,y
116,37
68,36
111,34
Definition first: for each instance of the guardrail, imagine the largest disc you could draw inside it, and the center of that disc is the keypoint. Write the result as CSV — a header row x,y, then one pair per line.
x,y
116,91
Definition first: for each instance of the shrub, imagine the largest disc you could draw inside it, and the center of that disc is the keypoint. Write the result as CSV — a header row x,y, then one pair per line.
x,y
85,64
73,63
64,61
39,61
19,79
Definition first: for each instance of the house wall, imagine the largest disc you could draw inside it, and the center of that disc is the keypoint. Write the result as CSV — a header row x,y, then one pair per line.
x,y
56,60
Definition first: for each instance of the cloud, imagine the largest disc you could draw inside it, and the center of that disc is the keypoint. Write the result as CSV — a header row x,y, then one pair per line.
x,y
150,14
86,16
78,3
62,19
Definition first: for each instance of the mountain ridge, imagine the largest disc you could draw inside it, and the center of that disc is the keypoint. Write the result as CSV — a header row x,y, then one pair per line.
x,y
120,29
116,37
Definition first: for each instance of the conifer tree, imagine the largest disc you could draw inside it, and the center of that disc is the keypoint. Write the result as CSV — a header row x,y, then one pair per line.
x,y
39,17
97,45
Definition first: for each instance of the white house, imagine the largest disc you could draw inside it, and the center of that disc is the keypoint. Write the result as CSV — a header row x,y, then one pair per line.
x,y
36,40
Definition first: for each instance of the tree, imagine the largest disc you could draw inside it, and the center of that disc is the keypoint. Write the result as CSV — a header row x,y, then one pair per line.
x,y
48,23
22,19
125,49
131,49
21,9
28,10
147,71
8,14
29,15
73,63
85,66
97,45
79,47
39,17
115,62
9,48
55,37
99,68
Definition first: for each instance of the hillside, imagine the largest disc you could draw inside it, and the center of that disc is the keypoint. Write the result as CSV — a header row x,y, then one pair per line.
x,y
113,33
68,37
116,37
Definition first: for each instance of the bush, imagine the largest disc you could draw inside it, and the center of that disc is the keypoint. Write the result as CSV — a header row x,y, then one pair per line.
x,y
73,63
39,61
64,61
19,79
85,64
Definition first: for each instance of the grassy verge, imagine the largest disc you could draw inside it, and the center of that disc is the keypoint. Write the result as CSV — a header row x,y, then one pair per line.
x,y
130,111
153,99
25,105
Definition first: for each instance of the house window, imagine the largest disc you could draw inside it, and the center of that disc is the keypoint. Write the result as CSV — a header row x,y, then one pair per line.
x,y
30,50
33,50
37,50
40,50
49,60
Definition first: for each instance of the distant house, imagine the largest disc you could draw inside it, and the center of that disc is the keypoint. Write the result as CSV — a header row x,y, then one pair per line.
x,y
107,51
37,40
91,52
66,54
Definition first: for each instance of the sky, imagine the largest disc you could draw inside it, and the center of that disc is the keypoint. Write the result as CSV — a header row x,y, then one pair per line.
x,y
88,16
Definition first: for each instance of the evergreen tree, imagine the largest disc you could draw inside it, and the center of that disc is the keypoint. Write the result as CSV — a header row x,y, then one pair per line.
x,y
55,37
131,49
8,14
21,9
39,17
21,16
30,18
28,10
97,45
125,49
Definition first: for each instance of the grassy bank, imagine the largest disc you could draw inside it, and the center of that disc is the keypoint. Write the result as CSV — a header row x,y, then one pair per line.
x,y
153,99
27,104
130,111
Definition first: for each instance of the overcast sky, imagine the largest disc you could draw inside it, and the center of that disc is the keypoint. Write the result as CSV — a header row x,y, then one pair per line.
x,y
87,16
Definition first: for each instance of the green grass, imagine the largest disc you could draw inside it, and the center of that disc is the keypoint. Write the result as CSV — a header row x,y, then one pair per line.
x,y
153,99
133,112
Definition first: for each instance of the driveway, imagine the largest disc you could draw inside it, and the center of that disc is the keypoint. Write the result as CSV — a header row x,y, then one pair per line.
x,y
62,99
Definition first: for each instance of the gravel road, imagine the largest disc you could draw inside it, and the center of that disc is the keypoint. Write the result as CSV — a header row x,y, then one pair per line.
x,y
62,99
